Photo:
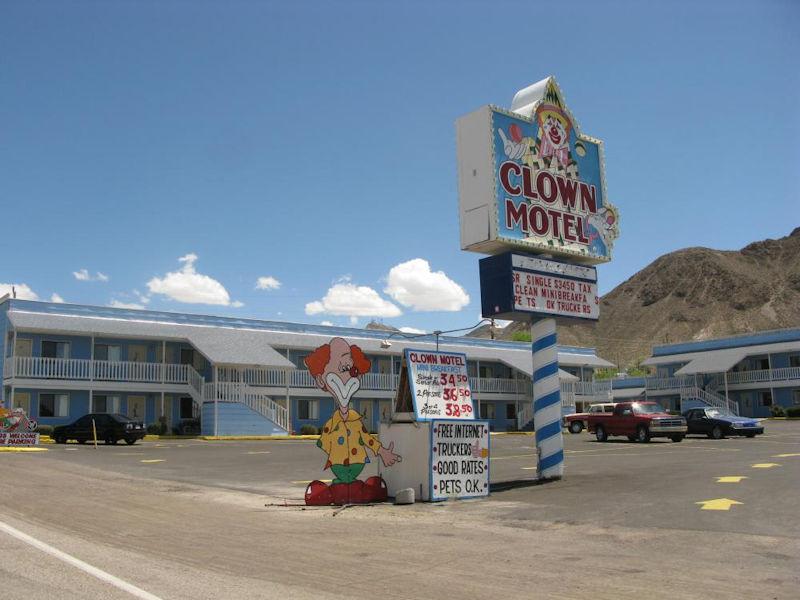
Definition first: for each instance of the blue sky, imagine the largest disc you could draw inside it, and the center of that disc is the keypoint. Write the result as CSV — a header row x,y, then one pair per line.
x,y
314,143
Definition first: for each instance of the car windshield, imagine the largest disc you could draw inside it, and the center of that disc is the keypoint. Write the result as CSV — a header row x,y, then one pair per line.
x,y
122,418
715,413
647,409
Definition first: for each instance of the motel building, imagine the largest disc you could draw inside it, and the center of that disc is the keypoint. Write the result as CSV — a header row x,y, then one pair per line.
x,y
746,374
231,376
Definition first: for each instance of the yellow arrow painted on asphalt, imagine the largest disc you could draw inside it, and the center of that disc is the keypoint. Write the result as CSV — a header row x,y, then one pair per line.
x,y
718,504
154,460
765,465
786,455
731,479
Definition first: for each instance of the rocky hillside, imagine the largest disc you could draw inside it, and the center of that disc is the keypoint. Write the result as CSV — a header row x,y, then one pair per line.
x,y
693,294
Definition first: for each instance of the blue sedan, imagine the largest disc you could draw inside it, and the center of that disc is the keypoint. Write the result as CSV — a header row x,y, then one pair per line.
x,y
716,423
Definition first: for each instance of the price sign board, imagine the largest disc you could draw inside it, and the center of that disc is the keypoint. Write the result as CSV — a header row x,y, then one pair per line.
x,y
439,385
459,459
517,286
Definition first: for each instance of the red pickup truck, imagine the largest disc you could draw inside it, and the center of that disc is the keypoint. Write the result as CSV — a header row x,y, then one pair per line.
x,y
639,421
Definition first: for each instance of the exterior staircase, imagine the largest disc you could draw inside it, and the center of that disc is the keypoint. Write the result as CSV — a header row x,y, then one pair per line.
x,y
708,398
219,400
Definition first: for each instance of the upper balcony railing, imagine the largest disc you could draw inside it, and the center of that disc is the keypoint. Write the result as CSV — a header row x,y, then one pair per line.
x,y
764,376
300,378
669,383
37,367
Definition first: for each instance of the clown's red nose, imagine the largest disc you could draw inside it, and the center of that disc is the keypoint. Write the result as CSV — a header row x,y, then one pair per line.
x,y
353,372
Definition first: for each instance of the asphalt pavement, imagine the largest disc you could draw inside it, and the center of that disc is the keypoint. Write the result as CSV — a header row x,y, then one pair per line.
x,y
191,518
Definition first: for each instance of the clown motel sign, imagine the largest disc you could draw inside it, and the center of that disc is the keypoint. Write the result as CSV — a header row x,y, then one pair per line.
x,y
459,461
518,286
530,181
439,384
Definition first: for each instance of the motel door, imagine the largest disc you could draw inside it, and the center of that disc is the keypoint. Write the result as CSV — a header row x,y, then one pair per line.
x,y
23,348
22,400
136,407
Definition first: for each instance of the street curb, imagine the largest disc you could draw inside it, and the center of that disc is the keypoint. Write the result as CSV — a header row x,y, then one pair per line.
x,y
783,418
22,449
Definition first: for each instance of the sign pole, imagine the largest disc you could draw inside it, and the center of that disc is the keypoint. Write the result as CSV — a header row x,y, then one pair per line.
x,y
547,399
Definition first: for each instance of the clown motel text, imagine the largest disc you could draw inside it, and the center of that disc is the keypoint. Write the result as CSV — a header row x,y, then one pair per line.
x,y
551,204
439,384
459,459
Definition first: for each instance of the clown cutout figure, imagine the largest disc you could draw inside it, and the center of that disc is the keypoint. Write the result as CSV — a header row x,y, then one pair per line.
x,y
337,368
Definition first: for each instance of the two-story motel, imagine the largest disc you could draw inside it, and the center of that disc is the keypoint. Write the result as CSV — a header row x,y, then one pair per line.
x,y
746,374
238,376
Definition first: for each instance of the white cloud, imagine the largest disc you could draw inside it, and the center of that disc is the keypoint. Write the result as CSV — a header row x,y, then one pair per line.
x,y
142,298
413,284
191,287
84,275
56,298
412,330
23,291
327,324
350,300
267,283
118,304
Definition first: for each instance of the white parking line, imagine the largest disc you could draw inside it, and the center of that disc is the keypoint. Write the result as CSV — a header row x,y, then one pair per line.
x,y
78,563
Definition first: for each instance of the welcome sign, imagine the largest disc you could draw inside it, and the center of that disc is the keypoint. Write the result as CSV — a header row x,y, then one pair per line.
x,y
528,179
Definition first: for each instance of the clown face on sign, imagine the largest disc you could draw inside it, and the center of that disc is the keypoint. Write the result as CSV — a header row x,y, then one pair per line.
x,y
554,130
337,368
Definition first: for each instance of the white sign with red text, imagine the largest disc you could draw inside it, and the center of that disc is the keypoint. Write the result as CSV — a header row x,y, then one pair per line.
x,y
439,385
18,438
459,459
558,296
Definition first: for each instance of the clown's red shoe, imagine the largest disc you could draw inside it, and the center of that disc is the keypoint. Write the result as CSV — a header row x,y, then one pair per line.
x,y
358,492
341,493
318,494
375,489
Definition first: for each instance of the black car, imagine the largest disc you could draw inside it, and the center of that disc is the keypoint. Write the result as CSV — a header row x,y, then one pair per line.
x,y
110,429
716,423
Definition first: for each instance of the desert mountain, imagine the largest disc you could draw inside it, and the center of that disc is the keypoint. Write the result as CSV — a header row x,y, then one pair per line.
x,y
692,294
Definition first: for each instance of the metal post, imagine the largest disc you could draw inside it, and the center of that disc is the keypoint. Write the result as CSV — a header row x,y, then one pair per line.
x,y
725,377
91,375
216,407
547,399
14,355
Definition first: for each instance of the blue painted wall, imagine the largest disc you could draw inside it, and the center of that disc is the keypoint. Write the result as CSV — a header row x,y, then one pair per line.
x,y
237,419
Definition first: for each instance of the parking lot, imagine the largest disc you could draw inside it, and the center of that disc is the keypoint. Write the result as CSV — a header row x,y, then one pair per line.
x,y
184,518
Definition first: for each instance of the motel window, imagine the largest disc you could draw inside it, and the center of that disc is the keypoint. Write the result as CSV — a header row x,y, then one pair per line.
x,y
308,410
486,372
53,405
766,398
511,411
794,360
106,352
55,349
187,407
106,404
487,410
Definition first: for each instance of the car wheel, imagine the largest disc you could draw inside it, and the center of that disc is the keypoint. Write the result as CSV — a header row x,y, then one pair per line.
x,y
130,441
632,438
600,434
60,439
717,433
575,427
677,438
642,434
81,440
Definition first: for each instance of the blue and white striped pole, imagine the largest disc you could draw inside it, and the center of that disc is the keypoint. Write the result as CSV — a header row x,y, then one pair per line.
x,y
547,399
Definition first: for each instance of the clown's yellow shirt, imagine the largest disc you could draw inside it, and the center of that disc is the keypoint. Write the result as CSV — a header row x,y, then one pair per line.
x,y
346,441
